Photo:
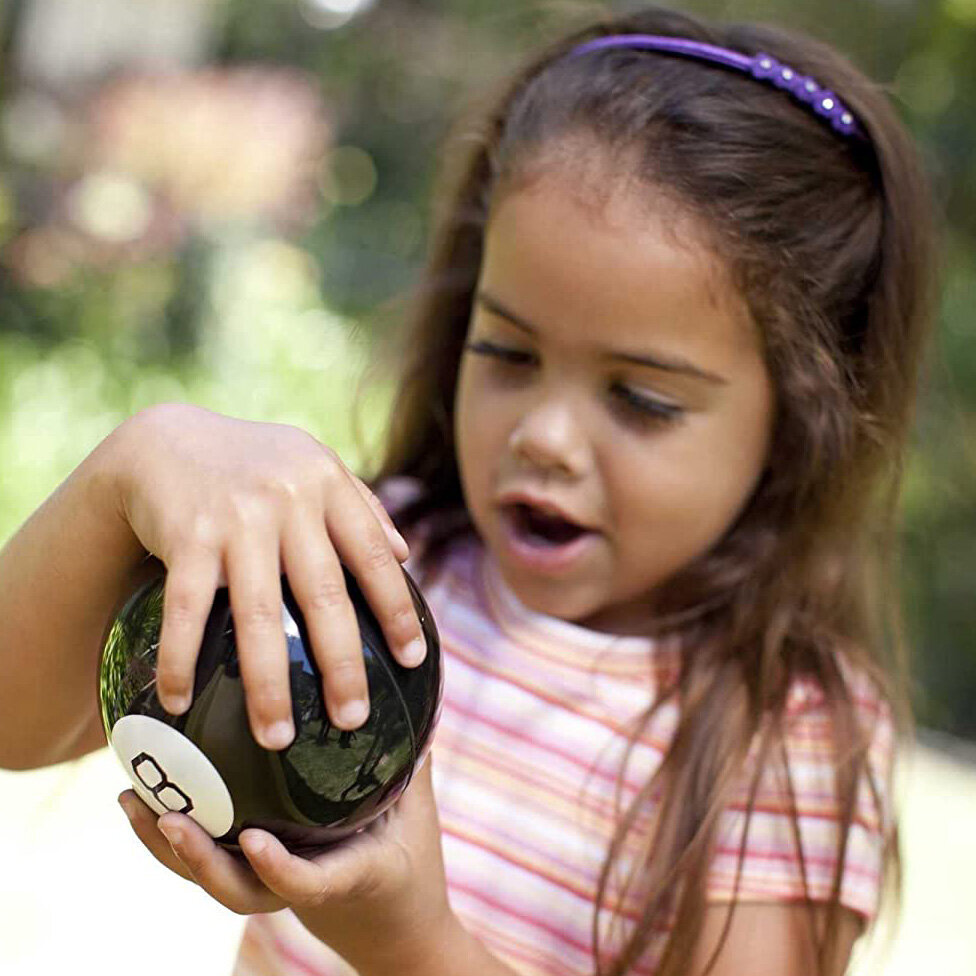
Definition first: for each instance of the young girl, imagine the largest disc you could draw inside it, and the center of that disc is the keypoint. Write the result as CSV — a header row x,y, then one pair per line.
x,y
645,450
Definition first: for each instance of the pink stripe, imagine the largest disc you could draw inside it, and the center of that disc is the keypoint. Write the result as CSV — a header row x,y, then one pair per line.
x,y
583,886
520,737
822,861
772,810
497,940
454,814
286,950
476,828
532,920
576,796
507,676
509,858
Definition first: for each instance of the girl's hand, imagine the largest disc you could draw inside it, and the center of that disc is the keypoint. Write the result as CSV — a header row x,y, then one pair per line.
x,y
225,502
374,898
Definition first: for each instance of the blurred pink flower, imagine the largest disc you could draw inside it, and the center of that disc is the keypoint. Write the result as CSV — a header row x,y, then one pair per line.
x,y
218,144
43,257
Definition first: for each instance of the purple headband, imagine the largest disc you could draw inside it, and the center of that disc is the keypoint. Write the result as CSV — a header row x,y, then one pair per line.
x,y
761,66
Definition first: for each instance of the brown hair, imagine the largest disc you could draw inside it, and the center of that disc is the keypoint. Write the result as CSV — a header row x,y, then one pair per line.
x,y
831,243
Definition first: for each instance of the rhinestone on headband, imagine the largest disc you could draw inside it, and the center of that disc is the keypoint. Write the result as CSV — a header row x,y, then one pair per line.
x,y
763,67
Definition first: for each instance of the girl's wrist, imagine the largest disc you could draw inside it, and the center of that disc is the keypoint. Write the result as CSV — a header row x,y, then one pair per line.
x,y
430,950
114,460
377,948
104,473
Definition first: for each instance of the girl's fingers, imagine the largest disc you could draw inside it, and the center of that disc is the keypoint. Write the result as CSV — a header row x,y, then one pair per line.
x,y
336,874
272,875
310,553
143,823
316,579
363,865
295,880
183,846
254,583
224,877
248,556
362,545
400,548
191,581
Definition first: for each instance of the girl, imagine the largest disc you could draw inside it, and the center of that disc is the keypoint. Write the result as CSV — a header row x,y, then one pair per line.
x,y
645,449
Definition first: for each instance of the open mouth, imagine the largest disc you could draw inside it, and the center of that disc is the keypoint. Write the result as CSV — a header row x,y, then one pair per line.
x,y
541,529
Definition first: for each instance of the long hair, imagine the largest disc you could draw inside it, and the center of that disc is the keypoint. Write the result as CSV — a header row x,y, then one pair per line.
x,y
831,243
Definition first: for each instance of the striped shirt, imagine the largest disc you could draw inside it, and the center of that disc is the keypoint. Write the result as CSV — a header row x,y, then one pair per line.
x,y
536,719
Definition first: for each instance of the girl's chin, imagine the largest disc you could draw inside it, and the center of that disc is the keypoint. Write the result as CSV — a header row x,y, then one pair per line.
x,y
542,596
576,602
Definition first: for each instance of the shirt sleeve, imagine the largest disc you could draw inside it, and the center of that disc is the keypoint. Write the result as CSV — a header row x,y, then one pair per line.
x,y
398,491
395,494
783,860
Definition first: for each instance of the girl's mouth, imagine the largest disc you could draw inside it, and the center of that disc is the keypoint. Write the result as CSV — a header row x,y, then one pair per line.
x,y
539,528
543,542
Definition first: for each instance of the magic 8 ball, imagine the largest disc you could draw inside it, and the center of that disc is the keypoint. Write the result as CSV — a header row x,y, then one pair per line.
x,y
205,763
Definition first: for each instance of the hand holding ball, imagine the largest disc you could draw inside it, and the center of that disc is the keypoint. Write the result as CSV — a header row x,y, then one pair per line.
x,y
205,763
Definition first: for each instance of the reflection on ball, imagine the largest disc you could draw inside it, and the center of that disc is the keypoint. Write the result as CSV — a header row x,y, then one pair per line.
x,y
326,785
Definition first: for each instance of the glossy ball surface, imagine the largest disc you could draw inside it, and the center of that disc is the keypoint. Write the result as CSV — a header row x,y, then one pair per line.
x,y
326,785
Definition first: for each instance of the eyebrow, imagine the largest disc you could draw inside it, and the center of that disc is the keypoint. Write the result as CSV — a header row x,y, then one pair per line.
x,y
671,364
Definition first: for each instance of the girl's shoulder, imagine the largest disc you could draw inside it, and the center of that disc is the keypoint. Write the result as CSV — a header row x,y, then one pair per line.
x,y
802,817
823,730
810,708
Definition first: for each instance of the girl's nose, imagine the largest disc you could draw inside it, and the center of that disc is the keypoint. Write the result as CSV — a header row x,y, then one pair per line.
x,y
550,439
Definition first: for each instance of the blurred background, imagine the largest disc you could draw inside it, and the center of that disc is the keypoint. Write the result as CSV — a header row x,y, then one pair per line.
x,y
225,202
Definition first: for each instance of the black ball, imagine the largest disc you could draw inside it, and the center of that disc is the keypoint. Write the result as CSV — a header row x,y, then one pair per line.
x,y
325,786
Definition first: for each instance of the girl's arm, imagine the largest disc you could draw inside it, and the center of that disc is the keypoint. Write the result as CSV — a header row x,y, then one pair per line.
x,y
221,502
770,939
63,575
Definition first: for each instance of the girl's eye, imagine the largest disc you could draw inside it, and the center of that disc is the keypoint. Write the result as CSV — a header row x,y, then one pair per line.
x,y
646,410
514,356
635,408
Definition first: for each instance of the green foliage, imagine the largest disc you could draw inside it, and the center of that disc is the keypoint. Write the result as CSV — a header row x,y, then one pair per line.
x,y
269,351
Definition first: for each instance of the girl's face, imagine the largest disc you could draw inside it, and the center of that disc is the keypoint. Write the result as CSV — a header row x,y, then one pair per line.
x,y
612,377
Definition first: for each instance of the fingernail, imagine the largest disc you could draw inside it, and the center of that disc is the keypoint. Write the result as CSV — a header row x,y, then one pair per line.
x,y
256,845
279,735
414,652
395,538
172,833
177,704
353,714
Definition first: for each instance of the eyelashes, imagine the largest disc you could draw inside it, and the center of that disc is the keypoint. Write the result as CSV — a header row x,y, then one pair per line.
x,y
634,406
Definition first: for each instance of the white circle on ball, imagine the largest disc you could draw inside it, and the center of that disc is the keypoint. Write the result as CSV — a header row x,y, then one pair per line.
x,y
171,774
